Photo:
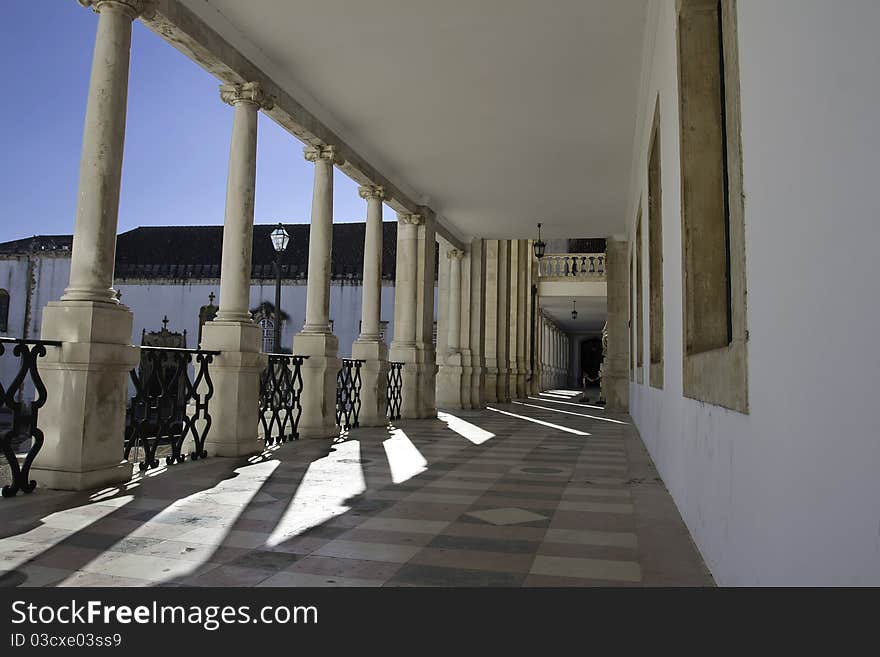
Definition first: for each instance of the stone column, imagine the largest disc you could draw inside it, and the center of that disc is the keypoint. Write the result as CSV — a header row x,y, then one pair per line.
x,y
545,354
450,374
86,378
426,253
477,322
369,346
316,340
616,376
403,346
514,312
524,262
236,371
503,316
467,308
490,339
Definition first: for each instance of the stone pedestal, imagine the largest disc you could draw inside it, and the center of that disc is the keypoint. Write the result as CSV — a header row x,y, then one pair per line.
x,y
86,379
234,409
374,378
319,373
409,373
449,380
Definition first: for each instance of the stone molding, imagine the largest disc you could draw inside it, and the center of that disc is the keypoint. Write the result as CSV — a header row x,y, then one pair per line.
x,y
455,254
410,219
329,153
367,192
247,92
134,8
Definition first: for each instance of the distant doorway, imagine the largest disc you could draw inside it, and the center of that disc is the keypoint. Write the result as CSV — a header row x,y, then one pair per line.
x,y
591,360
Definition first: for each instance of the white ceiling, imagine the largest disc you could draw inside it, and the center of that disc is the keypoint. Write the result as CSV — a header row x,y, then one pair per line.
x,y
592,313
496,113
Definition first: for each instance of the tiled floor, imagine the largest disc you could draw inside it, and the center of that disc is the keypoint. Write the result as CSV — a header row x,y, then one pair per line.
x,y
537,493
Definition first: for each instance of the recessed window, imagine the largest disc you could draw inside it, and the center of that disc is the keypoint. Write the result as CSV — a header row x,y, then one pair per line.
x,y
4,311
632,326
640,313
655,254
713,234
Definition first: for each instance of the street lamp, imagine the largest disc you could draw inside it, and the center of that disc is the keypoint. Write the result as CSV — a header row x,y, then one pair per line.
x,y
280,238
574,312
540,246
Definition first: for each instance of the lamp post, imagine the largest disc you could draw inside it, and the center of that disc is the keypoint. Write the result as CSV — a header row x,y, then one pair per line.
x,y
280,239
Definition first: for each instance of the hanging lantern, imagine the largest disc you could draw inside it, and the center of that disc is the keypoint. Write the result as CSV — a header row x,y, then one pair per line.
x,y
540,246
574,312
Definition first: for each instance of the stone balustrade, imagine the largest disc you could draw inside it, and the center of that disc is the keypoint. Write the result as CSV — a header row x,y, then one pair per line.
x,y
564,266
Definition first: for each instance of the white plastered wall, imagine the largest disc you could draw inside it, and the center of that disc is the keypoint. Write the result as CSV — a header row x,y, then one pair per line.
x,y
787,494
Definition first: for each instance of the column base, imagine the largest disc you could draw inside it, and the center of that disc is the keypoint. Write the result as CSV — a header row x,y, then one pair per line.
x,y
374,382
503,386
478,378
86,379
408,354
490,385
319,373
235,406
521,385
449,382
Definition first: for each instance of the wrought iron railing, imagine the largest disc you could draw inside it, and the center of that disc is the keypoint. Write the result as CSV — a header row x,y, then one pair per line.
x,y
395,390
25,430
572,265
171,403
348,393
281,386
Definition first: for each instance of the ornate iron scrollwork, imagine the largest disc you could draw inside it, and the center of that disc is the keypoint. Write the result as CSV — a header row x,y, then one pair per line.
x,y
395,390
281,386
169,404
348,393
25,426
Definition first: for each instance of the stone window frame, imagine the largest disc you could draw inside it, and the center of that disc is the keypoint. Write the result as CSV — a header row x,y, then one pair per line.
x,y
655,252
632,326
5,303
640,299
719,376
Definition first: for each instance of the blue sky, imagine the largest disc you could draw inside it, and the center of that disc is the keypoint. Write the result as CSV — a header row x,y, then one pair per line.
x,y
177,139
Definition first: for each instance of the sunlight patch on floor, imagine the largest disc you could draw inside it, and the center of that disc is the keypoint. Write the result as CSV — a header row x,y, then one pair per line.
x,y
465,429
314,503
541,422
559,410
404,459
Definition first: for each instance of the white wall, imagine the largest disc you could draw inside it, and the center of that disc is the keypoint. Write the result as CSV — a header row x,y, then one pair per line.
x,y
151,300
787,494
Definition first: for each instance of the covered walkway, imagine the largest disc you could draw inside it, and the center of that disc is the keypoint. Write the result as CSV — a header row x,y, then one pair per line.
x,y
539,492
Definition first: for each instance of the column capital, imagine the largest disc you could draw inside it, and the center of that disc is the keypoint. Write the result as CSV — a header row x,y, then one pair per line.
x,y
134,8
372,191
455,254
326,152
248,92
410,219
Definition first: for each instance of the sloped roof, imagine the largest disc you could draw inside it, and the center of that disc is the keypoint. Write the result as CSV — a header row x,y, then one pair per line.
x,y
37,243
194,251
